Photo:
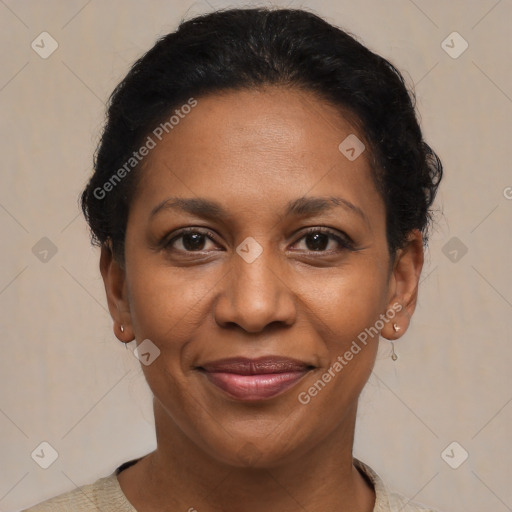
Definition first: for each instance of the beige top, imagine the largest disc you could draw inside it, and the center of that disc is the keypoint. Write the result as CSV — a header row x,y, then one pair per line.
x,y
105,495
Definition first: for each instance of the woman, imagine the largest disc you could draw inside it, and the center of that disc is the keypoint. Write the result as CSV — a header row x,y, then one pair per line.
x,y
261,197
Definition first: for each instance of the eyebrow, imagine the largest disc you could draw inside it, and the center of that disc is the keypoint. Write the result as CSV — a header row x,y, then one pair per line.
x,y
302,206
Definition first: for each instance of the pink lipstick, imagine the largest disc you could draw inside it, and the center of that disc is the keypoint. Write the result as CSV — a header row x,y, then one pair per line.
x,y
255,379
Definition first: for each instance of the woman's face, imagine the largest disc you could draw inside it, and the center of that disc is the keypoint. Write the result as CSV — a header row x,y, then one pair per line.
x,y
285,257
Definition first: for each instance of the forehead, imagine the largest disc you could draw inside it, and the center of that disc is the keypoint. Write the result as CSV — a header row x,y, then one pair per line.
x,y
258,147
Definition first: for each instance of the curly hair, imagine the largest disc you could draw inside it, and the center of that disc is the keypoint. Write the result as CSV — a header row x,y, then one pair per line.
x,y
238,49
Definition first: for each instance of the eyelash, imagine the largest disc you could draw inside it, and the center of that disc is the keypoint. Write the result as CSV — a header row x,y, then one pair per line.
x,y
346,244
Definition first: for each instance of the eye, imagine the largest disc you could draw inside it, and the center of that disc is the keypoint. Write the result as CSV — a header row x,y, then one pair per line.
x,y
325,240
316,239
190,240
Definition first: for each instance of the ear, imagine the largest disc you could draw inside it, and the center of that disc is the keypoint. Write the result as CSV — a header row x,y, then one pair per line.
x,y
403,285
114,279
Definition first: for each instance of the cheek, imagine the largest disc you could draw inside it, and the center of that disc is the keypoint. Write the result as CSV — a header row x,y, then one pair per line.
x,y
165,299
344,310
344,307
346,302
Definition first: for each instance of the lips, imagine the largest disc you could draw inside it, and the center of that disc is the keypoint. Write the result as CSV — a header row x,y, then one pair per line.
x,y
255,379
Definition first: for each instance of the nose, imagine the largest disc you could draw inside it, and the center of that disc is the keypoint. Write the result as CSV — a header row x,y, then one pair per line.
x,y
255,295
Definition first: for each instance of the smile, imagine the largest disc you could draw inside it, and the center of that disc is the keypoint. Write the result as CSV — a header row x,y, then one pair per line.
x,y
255,379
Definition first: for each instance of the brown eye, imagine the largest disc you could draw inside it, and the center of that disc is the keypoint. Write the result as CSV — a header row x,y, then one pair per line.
x,y
323,240
190,240
317,241
193,241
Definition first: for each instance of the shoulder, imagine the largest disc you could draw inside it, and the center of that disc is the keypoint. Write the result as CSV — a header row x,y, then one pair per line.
x,y
105,494
399,502
387,500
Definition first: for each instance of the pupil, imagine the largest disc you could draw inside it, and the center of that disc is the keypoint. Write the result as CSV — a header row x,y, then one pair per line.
x,y
314,242
193,241
320,241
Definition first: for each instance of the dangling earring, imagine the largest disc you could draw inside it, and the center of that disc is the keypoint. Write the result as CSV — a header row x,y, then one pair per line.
x,y
396,328
393,353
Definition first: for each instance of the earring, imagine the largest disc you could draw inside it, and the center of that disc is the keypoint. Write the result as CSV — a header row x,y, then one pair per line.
x,y
396,328
122,330
393,353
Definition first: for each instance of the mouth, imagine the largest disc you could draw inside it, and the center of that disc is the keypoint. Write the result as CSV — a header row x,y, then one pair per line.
x,y
255,379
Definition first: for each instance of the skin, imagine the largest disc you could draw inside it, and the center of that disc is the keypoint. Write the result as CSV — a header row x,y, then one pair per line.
x,y
253,152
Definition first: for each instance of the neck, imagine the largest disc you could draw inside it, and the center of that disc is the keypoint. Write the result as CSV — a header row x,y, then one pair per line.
x,y
182,475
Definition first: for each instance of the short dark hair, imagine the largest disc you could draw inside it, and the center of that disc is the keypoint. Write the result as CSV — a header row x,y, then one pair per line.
x,y
237,49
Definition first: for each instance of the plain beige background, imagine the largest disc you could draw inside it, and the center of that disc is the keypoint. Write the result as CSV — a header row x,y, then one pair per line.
x,y
66,380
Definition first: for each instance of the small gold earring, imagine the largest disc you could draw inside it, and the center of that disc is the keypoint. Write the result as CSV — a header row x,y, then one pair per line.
x,y
396,328
393,353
